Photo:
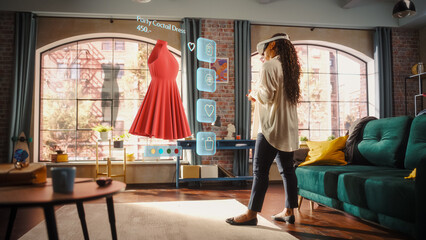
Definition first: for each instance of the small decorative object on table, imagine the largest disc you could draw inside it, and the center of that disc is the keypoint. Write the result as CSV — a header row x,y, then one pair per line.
x,y
21,153
102,181
231,131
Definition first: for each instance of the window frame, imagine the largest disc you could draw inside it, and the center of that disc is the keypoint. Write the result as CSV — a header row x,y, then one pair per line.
x,y
36,116
371,84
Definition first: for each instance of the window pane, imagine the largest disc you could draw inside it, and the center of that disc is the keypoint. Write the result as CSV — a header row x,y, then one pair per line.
x,y
303,115
53,140
57,115
350,112
90,83
57,84
134,57
65,56
320,115
319,135
92,113
133,84
119,45
304,87
256,64
86,145
92,55
351,65
321,60
125,112
302,53
352,87
322,87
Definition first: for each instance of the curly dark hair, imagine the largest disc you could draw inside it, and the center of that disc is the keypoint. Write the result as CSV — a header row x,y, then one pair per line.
x,y
291,67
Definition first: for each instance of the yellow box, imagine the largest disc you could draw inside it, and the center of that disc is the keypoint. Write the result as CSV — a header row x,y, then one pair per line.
x,y
62,158
35,173
189,171
209,171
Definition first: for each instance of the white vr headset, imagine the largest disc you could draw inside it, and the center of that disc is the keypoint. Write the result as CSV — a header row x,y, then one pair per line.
x,y
261,46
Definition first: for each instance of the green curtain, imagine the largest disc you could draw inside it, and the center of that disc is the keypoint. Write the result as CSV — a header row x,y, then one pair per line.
x,y
383,59
189,75
22,90
242,68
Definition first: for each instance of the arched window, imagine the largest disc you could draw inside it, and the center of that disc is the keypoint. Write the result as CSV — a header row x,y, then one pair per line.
x,y
89,82
333,90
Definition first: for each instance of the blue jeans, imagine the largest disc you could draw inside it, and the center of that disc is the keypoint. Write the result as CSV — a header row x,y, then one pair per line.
x,y
264,156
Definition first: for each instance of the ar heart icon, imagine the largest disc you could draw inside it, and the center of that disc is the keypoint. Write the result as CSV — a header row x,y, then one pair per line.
x,y
209,109
191,46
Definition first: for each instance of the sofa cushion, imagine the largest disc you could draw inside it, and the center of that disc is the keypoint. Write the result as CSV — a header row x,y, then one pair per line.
x,y
326,152
416,148
323,179
385,192
385,140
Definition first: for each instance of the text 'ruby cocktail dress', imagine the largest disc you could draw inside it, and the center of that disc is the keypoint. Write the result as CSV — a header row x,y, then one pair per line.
x,y
161,114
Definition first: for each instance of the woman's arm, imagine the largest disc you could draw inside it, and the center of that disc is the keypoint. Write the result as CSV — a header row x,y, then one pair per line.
x,y
265,91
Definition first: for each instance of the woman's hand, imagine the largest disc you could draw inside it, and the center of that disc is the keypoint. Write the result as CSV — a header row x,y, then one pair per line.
x,y
250,98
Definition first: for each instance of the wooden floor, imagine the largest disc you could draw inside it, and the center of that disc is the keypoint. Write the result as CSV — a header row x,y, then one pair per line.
x,y
320,223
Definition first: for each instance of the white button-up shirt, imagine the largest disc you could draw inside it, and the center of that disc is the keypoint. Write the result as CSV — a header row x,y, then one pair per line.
x,y
275,117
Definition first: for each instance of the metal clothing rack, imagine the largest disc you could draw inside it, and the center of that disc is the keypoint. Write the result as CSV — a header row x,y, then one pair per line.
x,y
420,94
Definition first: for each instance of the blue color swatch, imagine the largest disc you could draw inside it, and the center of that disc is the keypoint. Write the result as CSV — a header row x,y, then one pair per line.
x,y
206,143
206,50
206,80
206,110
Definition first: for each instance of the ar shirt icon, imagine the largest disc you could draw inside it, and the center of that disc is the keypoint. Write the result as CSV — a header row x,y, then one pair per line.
x,y
206,50
206,80
206,110
206,143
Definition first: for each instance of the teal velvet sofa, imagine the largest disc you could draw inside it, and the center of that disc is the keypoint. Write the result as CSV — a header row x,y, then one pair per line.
x,y
377,192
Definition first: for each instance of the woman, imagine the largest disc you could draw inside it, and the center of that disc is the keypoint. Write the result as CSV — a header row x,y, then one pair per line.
x,y
275,96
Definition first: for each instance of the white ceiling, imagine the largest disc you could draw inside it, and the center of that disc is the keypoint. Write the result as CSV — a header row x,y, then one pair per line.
x,y
362,14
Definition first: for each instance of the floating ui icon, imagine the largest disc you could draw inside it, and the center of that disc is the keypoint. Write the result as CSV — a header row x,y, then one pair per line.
x,y
206,50
191,46
206,110
206,80
206,143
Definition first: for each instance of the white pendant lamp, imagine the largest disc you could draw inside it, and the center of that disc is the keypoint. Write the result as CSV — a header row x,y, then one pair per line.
x,y
404,8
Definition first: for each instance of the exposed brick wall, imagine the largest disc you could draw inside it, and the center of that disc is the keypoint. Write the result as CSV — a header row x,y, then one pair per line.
x,y
7,43
405,53
222,32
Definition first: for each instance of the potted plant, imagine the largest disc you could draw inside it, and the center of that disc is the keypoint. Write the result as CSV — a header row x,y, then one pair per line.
x,y
332,137
119,140
103,131
303,140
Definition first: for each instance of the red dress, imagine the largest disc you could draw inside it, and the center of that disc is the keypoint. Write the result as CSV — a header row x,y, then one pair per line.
x,y
161,114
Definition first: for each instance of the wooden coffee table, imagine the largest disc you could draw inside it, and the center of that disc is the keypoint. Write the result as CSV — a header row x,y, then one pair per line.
x,y
43,196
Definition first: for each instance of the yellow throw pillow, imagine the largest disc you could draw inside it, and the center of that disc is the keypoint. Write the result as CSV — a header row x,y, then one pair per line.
x,y
412,175
326,152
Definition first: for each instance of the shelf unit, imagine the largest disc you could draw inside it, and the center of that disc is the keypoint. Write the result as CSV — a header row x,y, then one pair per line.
x,y
420,94
220,145
108,173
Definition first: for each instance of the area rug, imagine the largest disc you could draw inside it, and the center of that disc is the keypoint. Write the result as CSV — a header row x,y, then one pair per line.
x,y
179,220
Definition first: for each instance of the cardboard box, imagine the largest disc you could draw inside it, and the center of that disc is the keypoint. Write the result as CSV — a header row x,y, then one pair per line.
x,y
209,171
33,174
189,171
